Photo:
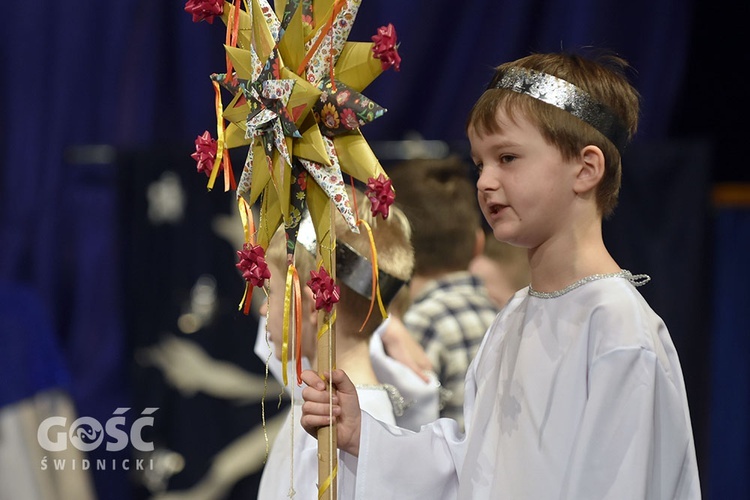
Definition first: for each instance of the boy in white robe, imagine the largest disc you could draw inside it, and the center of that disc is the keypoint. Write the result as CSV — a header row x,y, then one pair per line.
x,y
292,465
577,390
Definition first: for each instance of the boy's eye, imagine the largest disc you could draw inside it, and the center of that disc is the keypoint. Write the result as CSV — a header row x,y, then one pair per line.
x,y
478,167
507,158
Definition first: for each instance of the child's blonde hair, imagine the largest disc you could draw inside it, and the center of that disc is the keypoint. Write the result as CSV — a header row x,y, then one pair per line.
x,y
392,237
603,79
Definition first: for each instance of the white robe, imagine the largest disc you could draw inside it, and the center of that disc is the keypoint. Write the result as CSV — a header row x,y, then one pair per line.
x,y
575,397
280,473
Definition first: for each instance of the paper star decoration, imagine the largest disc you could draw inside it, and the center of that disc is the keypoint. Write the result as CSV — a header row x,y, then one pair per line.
x,y
297,105
296,86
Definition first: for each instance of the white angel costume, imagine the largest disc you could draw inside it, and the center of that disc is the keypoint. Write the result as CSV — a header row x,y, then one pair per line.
x,y
403,399
575,396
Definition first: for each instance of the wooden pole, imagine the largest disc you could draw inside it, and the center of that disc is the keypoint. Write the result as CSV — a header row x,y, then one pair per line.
x,y
326,353
327,456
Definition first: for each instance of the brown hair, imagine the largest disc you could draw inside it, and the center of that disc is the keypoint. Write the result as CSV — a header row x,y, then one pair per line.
x,y
604,80
513,259
440,201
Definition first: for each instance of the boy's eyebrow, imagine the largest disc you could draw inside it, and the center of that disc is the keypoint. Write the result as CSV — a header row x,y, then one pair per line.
x,y
501,144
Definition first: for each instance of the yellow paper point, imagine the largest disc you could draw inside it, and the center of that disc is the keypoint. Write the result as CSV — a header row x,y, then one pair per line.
x,y
262,37
241,60
356,157
292,43
356,67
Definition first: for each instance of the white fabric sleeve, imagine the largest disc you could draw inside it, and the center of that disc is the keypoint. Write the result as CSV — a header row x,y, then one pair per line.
x,y
634,418
396,463
422,399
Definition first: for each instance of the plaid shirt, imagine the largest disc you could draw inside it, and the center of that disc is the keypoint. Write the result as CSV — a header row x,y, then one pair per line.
x,y
449,318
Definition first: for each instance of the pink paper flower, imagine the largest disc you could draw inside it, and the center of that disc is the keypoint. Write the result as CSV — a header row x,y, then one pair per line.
x,y
326,292
205,152
381,195
386,47
342,97
253,264
204,9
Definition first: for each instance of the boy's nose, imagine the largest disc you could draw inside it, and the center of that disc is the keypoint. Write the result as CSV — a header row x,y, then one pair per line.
x,y
486,181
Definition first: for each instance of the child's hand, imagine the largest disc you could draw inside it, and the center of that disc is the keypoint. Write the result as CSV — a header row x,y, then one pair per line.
x,y
316,409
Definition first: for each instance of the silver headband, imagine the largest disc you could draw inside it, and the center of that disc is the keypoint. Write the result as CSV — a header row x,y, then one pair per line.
x,y
355,271
566,96
352,269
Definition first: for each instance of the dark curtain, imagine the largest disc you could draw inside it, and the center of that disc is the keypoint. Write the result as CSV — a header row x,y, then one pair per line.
x,y
133,75
163,261
730,400
662,228
449,50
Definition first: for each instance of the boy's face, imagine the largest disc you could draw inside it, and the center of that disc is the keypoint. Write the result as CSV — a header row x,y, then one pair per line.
x,y
525,187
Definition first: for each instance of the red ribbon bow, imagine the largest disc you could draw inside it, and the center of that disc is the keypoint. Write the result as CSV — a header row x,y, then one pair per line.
x,y
205,152
204,9
386,47
381,195
253,264
325,290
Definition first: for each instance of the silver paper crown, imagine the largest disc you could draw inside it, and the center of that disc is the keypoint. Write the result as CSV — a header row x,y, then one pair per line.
x,y
352,269
566,96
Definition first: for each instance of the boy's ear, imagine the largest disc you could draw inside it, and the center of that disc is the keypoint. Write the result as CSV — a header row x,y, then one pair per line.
x,y
591,169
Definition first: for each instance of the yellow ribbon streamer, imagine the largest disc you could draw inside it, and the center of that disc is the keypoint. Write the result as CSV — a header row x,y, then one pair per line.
x,y
219,135
285,329
247,298
327,483
248,226
325,327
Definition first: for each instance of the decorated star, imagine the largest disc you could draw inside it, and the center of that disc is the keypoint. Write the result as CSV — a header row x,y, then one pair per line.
x,y
297,105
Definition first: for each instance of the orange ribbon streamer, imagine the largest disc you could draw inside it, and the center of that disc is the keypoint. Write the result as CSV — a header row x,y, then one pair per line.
x,y
292,297
247,298
323,29
233,27
229,182
248,221
375,293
